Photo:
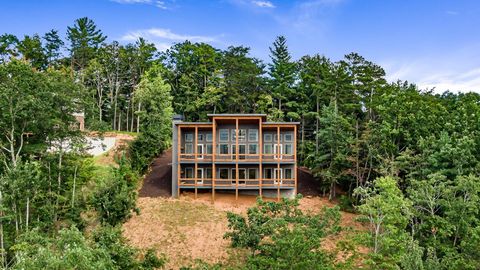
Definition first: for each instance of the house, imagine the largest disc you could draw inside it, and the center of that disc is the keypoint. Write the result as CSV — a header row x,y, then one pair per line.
x,y
237,152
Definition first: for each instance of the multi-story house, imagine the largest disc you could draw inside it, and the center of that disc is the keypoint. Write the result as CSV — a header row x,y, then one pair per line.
x,y
235,152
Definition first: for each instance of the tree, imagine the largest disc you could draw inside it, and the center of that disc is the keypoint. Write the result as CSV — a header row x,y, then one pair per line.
x,y
388,213
53,44
280,236
84,38
155,116
32,51
283,73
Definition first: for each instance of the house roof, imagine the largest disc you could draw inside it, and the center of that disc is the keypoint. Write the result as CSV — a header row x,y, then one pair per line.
x,y
211,115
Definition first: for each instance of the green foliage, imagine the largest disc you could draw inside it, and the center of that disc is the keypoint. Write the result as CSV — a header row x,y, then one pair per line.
x,y
280,236
156,117
116,198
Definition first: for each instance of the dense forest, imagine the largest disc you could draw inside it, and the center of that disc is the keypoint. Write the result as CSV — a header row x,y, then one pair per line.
x,y
405,159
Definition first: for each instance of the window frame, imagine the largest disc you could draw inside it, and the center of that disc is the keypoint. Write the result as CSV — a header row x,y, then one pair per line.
x,y
208,137
265,135
256,148
187,146
285,173
255,132
285,146
220,173
189,138
186,174
220,134
289,135
220,149
256,173
200,136
271,148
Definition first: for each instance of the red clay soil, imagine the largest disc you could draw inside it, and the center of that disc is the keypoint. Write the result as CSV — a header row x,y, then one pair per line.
x,y
158,181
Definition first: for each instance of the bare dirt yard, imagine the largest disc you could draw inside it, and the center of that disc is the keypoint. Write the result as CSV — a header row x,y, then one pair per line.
x,y
187,229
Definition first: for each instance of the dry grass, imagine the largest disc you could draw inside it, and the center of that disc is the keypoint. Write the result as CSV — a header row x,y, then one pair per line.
x,y
187,229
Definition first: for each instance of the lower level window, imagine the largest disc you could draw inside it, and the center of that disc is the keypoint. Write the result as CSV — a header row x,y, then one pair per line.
x,y
252,173
267,173
188,172
223,173
223,149
288,173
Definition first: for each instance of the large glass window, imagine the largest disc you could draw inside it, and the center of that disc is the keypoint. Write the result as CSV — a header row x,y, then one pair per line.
x,y
188,172
267,137
189,137
253,135
208,173
188,148
208,148
268,148
223,173
267,173
253,148
288,173
200,137
242,133
288,149
223,134
252,173
288,137
223,148
209,137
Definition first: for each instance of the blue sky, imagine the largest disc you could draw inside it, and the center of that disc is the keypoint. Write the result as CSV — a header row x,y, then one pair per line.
x,y
434,43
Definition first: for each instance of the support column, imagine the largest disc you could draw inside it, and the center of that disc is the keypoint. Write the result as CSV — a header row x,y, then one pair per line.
x,y
196,159
260,156
214,155
179,155
279,155
236,160
295,157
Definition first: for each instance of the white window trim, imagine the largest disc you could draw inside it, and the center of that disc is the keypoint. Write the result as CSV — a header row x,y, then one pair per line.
x,y
220,134
256,151
285,137
267,135
200,155
200,179
285,149
188,144
253,131
220,147
275,179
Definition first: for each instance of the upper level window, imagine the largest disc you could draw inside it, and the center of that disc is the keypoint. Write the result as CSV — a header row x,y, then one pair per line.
x,y
223,148
253,148
188,148
209,148
288,149
189,137
268,148
223,135
242,133
208,137
200,137
267,137
288,137
253,135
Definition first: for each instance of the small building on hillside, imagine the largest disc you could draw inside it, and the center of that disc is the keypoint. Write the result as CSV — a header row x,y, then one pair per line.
x,y
80,117
237,152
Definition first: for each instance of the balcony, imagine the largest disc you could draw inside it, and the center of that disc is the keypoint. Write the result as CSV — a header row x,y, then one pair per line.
x,y
242,183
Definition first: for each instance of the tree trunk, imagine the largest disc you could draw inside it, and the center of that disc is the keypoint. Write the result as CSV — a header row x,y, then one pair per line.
x,y
2,245
74,185
27,214
138,116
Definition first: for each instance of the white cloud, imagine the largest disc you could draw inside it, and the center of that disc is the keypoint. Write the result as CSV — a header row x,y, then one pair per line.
x,y
427,75
164,38
452,12
157,3
263,4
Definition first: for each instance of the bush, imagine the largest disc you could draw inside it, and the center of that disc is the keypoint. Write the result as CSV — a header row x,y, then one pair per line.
x,y
116,198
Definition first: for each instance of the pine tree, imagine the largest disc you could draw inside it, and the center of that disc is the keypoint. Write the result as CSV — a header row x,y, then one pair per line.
x,y
84,39
282,73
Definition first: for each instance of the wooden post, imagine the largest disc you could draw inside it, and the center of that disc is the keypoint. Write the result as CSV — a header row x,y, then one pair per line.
x,y
260,157
214,154
179,154
295,157
279,155
195,159
236,160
